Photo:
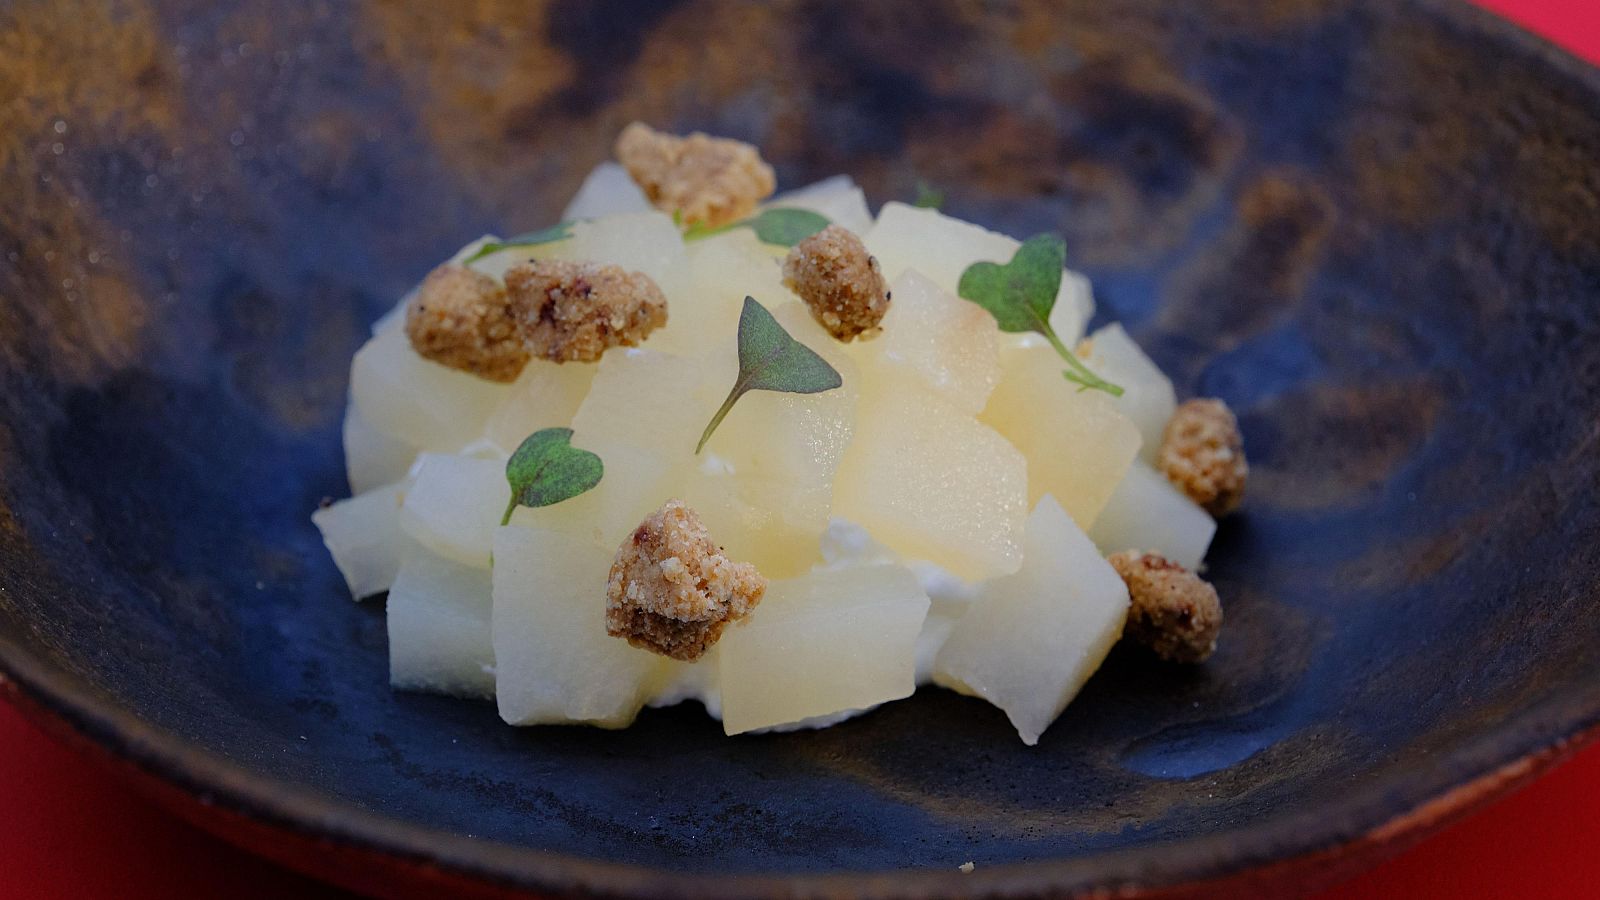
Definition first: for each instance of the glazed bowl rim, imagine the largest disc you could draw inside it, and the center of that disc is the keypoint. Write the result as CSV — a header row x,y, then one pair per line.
x,y
1385,812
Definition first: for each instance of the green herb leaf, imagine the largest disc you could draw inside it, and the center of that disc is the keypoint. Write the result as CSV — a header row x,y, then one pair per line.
x,y
1020,295
772,360
928,196
547,469
781,226
787,227
557,232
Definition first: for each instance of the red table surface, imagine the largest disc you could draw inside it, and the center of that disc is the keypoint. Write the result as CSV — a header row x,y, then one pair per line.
x,y
69,829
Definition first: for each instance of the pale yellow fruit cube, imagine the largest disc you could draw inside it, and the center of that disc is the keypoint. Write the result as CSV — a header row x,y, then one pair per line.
x,y
1147,396
822,643
554,662
363,535
547,395
372,458
933,483
1147,513
952,344
764,483
1077,444
439,640
416,401
455,504
724,269
1031,640
645,398
942,247
608,189
645,242
838,199
636,481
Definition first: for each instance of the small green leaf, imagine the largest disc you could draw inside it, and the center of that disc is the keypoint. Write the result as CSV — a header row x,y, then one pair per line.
x,y
557,232
928,196
781,226
1020,295
547,469
770,359
787,227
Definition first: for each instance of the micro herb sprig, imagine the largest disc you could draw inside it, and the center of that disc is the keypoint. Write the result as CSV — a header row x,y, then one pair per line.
x,y
547,469
771,360
1021,293
928,196
780,226
557,232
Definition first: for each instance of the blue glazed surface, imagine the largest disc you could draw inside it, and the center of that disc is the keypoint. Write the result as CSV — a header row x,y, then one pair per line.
x,y
1369,227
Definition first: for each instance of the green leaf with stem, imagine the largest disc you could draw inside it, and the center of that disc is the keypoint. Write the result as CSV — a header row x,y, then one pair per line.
x,y
557,232
781,226
547,469
770,359
1020,295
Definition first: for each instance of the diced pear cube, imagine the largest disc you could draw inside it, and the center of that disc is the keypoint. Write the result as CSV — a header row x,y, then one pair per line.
x,y
942,247
951,343
416,401
455,504
1069,318
1147,397
607,190
363,535
939,246
554,662
838,198
546,395
1031,640
1147,513
933,483
373,459
439,639
1077,444
724,268
763,486
645,242
642,398
636,482
823,643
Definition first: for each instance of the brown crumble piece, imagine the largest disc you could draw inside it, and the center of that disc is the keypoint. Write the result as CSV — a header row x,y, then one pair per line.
x,y
672,591
459,318
1202,453
573,311
839,281
1175,612
710,181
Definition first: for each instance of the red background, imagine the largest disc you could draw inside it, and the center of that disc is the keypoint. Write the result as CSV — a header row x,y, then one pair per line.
x,y
68,829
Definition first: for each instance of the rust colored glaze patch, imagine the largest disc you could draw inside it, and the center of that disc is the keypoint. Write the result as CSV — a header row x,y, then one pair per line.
x,y
82,83
1344,444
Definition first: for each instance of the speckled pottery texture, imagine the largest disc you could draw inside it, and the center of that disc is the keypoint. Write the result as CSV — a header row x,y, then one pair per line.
x,y
1372,227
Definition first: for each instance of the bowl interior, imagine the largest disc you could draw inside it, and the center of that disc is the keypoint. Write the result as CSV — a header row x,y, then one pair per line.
x,y
1368,226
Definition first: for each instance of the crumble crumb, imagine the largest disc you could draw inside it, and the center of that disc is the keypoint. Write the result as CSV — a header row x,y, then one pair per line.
x,y
672,591
573,311
1202,453
966,867
459,318
710,181
1175,612
839,281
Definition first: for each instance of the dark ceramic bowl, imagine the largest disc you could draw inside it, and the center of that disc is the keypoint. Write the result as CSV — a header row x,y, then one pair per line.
x,y
1372,226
